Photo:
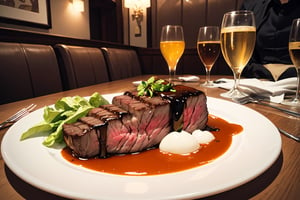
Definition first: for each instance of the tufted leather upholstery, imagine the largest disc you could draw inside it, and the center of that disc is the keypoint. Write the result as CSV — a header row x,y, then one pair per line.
x,y
81,66
122,63
27,70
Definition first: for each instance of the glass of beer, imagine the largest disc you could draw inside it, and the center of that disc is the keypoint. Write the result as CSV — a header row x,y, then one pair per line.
x,y
208,47
172,47
294,50
238,35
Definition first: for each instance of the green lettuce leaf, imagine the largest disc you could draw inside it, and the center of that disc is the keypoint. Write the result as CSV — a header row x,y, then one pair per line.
x,y
51,114
97,100
41,127
57,136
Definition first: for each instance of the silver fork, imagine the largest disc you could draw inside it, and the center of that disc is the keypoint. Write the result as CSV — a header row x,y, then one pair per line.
x,y
249,99
18,115
296,138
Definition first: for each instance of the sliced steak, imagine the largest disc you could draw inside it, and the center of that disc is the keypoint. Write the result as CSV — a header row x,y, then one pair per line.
x,y
149,118
134,123
188,106
82,139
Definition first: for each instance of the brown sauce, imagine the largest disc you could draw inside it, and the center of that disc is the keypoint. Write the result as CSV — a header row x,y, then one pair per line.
x,y
153,162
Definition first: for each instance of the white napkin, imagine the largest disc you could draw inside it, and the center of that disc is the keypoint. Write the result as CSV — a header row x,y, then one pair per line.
x,y
270,89
189,78
136,83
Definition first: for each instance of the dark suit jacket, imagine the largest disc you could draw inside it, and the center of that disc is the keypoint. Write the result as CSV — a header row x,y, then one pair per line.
x,y
273,23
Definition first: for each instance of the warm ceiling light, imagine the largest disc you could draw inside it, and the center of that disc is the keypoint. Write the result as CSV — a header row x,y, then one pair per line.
x,y
136,4
78,5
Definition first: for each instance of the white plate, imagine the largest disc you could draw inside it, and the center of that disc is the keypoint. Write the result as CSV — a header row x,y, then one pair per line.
x,y
251,153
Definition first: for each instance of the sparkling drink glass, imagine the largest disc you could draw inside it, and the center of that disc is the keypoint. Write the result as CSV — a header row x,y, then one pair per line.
x,y
208,47
238,35
172,47
294,50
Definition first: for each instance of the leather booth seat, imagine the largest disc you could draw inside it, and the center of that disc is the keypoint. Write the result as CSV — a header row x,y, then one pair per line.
x,y
27,70
81,66
122,63
31,70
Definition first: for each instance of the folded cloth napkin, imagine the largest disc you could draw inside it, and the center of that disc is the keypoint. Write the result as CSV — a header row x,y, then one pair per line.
x,y
274,91
189,78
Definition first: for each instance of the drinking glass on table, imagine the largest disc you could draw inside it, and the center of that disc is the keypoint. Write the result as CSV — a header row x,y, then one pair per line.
x,y
208,47
172,46
238,35
294,50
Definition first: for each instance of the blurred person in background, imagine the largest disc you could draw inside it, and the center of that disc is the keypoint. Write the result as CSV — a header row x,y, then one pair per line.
x,y
270,59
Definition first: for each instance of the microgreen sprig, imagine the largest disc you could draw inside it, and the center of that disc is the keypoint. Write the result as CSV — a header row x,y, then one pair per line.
x,y
149,87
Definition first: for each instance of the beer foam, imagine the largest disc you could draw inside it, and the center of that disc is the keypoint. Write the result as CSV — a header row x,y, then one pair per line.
x,y
238,29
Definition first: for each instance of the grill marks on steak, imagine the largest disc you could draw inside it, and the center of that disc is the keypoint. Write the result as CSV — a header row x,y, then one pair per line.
x,y
134,123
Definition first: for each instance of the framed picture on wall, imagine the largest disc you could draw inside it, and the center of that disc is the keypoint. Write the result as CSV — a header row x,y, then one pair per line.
x,y
35,13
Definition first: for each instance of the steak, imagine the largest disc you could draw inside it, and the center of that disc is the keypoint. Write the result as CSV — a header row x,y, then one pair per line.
x,y
135,123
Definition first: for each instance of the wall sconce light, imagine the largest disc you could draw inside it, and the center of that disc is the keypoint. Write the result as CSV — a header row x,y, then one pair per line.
x,y
137,6
78,5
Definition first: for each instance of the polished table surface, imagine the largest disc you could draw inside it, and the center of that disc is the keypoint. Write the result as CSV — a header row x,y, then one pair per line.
x,y
280,181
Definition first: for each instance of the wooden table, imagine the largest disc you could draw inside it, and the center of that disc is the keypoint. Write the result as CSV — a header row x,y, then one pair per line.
x,y
280,181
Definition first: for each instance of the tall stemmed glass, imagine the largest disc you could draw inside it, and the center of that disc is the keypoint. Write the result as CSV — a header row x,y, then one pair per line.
x,y
294,49
238,35
172,46
208,47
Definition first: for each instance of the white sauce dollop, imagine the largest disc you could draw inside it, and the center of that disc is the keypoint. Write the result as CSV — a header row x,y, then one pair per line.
x,y
184,142
179,143
203,137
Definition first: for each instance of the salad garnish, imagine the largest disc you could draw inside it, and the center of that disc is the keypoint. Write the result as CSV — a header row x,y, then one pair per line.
x,y
152,85
65,110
